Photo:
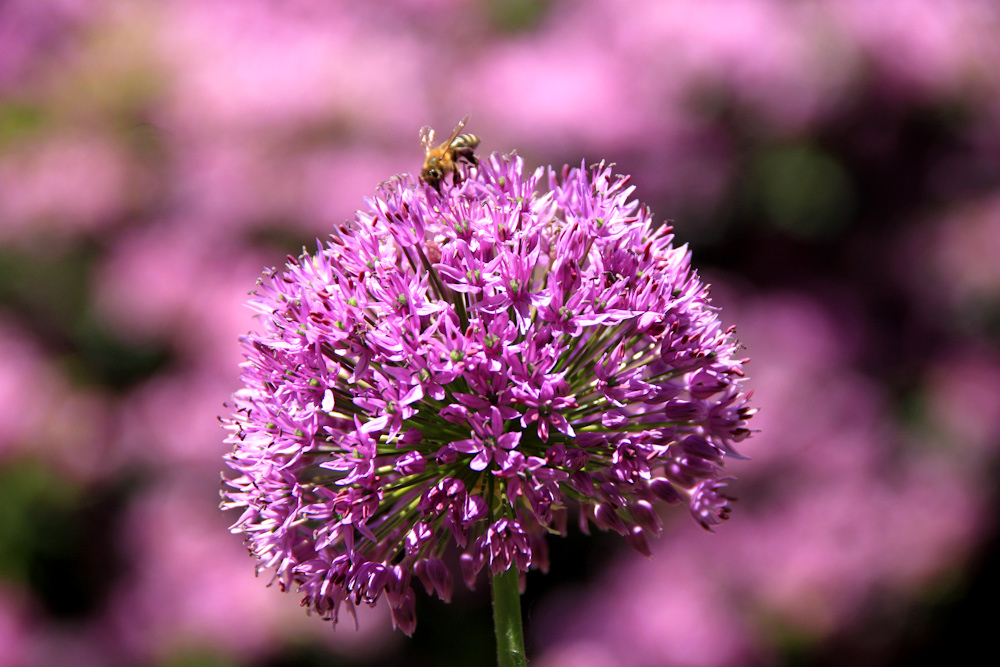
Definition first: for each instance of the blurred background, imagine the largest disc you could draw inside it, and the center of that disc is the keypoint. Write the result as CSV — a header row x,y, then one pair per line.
x,y
835,166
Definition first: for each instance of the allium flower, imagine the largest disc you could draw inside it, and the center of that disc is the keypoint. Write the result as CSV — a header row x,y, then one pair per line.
x,y
469,368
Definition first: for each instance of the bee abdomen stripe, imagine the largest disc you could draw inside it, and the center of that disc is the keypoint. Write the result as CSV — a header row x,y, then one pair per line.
x,y
465,141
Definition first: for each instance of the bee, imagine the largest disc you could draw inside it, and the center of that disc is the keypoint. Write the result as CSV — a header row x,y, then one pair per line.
x,y
438,161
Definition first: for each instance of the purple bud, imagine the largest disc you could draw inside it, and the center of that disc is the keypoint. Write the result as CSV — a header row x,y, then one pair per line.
x,y
411,463
404,615
704,384
637,540
606,517
397,584
613,419
582,482
644,514
665,491
683,411
471,564
697,445
440,578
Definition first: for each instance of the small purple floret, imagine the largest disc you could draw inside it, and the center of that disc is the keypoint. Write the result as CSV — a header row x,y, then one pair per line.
x,y
459,371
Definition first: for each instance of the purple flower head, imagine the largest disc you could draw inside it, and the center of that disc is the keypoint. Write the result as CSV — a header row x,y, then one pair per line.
x,y
464,370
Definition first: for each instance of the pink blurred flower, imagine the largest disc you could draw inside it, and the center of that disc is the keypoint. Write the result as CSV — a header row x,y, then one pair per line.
x,y
814,560
42,415
171,419
262,65
663,611
26,383
927,47
643,69
962,398
243,185
539,88
61,187
181,282
964,251
190,586
770,56
32,31
15,626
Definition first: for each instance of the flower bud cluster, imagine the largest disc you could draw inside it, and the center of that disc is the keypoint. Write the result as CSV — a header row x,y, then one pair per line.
x,y
466,369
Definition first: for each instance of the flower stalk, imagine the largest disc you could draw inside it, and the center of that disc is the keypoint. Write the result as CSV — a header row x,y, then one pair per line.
x,y
507,619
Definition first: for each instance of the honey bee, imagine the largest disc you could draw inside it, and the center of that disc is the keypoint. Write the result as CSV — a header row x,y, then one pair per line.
x,y
438,161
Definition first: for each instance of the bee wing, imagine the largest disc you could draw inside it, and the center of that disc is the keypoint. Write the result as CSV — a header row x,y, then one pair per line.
x,y
457,131
427,138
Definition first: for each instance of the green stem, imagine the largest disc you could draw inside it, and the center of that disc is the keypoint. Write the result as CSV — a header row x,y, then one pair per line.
x,y
507,619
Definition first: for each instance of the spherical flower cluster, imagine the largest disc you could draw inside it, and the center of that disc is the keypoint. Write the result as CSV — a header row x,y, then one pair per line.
x,y
469,367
